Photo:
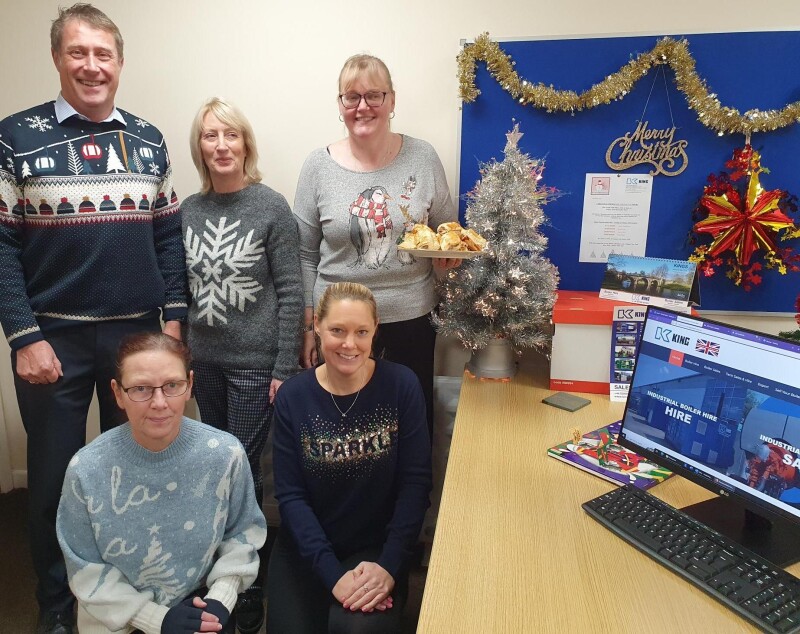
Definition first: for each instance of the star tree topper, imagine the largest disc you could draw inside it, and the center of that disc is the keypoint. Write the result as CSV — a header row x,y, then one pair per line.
x,y
514,136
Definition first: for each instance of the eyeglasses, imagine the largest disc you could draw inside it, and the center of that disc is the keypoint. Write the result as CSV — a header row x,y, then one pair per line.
x,y
373,99
141,393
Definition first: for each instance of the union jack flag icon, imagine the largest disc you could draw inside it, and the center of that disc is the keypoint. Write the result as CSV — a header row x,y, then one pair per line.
x,y
707,347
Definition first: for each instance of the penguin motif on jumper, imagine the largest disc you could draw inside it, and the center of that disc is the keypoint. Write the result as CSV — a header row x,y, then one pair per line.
x,y
371,227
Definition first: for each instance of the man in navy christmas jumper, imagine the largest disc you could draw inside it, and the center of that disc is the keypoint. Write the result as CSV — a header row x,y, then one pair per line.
x,y
90,249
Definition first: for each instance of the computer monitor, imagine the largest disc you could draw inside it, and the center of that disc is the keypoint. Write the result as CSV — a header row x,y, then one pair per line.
x,y
720,405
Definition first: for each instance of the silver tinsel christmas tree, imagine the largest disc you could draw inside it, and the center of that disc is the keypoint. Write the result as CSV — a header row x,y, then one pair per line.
x,y
508,291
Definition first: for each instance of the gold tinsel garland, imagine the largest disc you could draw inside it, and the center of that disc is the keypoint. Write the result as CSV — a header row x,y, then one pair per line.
x,y
675,53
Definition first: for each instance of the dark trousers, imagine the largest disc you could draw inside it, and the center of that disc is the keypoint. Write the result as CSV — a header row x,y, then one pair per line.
x,y
54,417
299,603
412,344
237,401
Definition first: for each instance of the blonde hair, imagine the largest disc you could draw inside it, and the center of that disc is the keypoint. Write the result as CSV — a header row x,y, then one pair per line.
x,y
343,291
363,64
231,116
92,16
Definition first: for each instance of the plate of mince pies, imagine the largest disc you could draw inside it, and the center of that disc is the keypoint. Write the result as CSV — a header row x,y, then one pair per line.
x,y
450,240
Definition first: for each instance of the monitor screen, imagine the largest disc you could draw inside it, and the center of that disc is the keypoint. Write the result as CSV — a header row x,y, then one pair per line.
x,y
719,405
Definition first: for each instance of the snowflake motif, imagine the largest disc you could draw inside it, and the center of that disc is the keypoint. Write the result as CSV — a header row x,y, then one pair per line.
x,y
142,123
39,123
215,262
155,169
10,165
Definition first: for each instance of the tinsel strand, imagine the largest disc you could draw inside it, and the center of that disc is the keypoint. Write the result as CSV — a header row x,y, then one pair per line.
x,y
674,53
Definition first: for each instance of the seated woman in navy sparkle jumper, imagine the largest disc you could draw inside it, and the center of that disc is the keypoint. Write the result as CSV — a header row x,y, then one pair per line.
x,y
352,477
158,519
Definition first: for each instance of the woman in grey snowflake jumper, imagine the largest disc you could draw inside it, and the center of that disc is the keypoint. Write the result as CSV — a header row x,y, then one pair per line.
x,y
246,293
158,519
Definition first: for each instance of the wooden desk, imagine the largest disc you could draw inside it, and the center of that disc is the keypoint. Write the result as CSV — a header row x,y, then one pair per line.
x,y
515,552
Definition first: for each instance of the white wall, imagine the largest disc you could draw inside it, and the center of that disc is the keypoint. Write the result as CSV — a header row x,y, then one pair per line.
x,y
279,62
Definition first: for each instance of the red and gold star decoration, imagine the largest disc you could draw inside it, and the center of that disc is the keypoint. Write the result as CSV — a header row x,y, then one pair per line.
x,y
745,223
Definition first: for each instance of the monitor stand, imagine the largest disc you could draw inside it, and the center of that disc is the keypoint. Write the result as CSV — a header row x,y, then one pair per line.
x,y
776,540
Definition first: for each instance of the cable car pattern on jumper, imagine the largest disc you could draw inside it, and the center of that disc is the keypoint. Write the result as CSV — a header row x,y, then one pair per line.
x,y
67,188
100,175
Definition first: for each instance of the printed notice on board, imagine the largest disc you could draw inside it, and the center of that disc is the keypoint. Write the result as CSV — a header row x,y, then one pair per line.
x,y
616,212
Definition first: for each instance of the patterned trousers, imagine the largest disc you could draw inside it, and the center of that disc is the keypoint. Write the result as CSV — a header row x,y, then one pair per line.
x,y
237,401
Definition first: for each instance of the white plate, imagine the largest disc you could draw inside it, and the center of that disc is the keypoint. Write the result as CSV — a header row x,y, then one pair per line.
x,y
436,253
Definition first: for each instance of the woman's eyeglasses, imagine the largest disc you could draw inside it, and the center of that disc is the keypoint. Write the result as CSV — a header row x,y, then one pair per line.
x,y
373,99
141,393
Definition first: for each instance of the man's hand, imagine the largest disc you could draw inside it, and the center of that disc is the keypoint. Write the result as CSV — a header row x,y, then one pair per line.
x,y
173,329
37,363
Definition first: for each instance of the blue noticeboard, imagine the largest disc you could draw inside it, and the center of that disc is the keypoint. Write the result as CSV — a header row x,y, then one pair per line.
x,y
745,70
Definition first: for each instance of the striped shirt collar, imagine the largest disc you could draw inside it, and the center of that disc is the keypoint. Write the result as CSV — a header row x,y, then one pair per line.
x,y
64,111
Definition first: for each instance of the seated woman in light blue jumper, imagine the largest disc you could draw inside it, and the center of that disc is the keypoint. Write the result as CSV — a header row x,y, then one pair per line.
x,y
158,519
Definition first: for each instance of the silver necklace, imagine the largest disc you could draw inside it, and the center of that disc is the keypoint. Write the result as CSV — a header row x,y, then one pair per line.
x,y
333,399
344,413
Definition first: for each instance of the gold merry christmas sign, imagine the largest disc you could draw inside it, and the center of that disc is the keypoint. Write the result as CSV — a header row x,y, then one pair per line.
x,y
656,147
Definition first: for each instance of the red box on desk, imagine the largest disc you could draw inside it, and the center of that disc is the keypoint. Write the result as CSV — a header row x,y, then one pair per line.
x,y
581,356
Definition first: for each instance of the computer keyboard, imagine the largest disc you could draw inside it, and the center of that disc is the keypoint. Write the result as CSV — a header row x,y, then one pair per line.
x,y
761,592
